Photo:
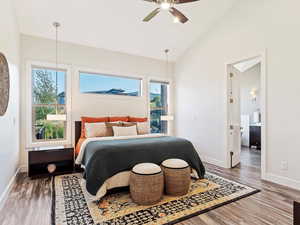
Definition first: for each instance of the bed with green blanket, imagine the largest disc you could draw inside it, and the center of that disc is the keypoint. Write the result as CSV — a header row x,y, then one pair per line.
x,y
103,159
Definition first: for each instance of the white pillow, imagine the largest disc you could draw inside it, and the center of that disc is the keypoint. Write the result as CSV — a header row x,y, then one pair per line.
x,y
125,131
96,130
143,128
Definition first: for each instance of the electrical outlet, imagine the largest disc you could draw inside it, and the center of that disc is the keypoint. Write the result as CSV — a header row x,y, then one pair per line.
x,y
284,166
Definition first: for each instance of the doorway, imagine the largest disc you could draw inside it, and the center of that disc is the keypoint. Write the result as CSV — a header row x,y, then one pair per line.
x,y
246,113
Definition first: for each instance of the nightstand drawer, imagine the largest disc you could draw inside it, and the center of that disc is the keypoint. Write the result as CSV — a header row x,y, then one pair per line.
x,y
50,156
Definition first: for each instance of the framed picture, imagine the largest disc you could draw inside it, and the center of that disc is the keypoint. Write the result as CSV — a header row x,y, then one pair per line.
x,y
4,84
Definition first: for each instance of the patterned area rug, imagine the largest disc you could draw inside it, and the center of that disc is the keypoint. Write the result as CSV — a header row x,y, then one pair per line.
x,y
71,207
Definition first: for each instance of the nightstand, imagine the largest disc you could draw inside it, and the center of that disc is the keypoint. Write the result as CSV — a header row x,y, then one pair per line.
x,y
40,157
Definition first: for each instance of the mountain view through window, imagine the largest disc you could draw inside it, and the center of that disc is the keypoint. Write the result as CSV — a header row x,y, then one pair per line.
x,y
109,85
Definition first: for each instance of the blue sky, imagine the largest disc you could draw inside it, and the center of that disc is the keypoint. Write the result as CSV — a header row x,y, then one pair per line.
x,y
97,82
155,88
92,82
60,78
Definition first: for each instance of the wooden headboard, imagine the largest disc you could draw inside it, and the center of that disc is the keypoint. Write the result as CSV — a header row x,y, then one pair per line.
x,y
77,131
296,212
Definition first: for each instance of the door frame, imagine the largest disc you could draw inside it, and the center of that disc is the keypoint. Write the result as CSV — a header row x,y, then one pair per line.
x,y
263,106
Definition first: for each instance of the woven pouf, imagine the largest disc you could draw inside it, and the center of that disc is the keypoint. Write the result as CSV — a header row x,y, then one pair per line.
x,y
146,184
177,175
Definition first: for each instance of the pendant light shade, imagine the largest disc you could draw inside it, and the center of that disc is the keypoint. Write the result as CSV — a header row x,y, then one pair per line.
x,y
167,118
57,117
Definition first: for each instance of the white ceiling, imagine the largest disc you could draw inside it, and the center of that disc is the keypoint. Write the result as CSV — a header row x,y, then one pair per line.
x,y
247,64
117,24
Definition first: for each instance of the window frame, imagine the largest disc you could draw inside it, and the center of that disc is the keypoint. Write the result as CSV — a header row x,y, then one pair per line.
x,y
29,136
106,72
169,82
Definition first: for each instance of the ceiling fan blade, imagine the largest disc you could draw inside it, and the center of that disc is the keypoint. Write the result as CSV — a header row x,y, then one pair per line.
x,y
183,1
176,13
151,15
151,1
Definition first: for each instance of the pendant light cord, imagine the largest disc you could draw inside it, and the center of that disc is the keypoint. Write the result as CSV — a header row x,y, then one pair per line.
x,y
56,56
56,25
56,59
167,61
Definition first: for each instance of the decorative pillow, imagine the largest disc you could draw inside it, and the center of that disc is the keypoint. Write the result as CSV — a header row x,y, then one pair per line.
x,y
128,124
114,124
138,119
125,131
110,126
118,118
85,120
143,128
97,130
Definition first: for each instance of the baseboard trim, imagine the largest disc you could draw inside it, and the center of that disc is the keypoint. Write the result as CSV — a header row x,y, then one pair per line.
x,y
213,161
23,169
282,181
7,190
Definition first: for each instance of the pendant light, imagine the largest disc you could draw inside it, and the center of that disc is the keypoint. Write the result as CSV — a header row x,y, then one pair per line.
x,y
167,117
167,61
56,116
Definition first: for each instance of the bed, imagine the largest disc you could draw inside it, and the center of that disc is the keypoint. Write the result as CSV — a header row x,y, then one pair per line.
x,y
107,161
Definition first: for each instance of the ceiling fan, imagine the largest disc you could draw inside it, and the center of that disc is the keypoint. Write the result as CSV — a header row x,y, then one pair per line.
x,y
169,6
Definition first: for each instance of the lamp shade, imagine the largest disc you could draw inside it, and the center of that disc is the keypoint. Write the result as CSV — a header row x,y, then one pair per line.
x,y
57,117
167,118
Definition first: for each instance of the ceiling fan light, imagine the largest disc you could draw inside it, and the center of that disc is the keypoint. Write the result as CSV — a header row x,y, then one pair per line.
x,y
176,19
165,5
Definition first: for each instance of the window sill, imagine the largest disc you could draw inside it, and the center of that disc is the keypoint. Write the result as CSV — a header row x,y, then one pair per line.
x,y
48,143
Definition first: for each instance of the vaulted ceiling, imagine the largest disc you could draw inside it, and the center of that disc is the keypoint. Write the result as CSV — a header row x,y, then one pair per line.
x,y
117,24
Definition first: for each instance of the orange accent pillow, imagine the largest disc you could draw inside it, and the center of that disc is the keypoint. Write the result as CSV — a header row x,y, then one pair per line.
x,y
119,118
138,119
91,120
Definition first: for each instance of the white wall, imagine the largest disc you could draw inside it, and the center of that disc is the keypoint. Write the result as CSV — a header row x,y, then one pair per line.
x,y
250,80
9,123
77,56
249,28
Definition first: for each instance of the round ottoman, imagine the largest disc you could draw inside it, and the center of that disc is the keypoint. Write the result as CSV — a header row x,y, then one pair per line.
x,y
177,175
146,184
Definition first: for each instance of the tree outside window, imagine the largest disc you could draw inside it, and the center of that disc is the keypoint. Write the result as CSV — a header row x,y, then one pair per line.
x,y
47,98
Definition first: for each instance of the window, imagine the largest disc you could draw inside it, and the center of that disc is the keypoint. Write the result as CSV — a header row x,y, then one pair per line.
x,y
92,83
48,98
158,106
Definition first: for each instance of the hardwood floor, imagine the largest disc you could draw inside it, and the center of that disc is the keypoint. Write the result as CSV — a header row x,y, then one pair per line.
x,y
29,203
251,157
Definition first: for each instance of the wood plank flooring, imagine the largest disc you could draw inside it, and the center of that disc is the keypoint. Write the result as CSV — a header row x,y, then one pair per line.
x,y
29,203
250,157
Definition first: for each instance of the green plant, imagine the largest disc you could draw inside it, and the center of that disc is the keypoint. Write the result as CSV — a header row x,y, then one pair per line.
x,y
53,130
